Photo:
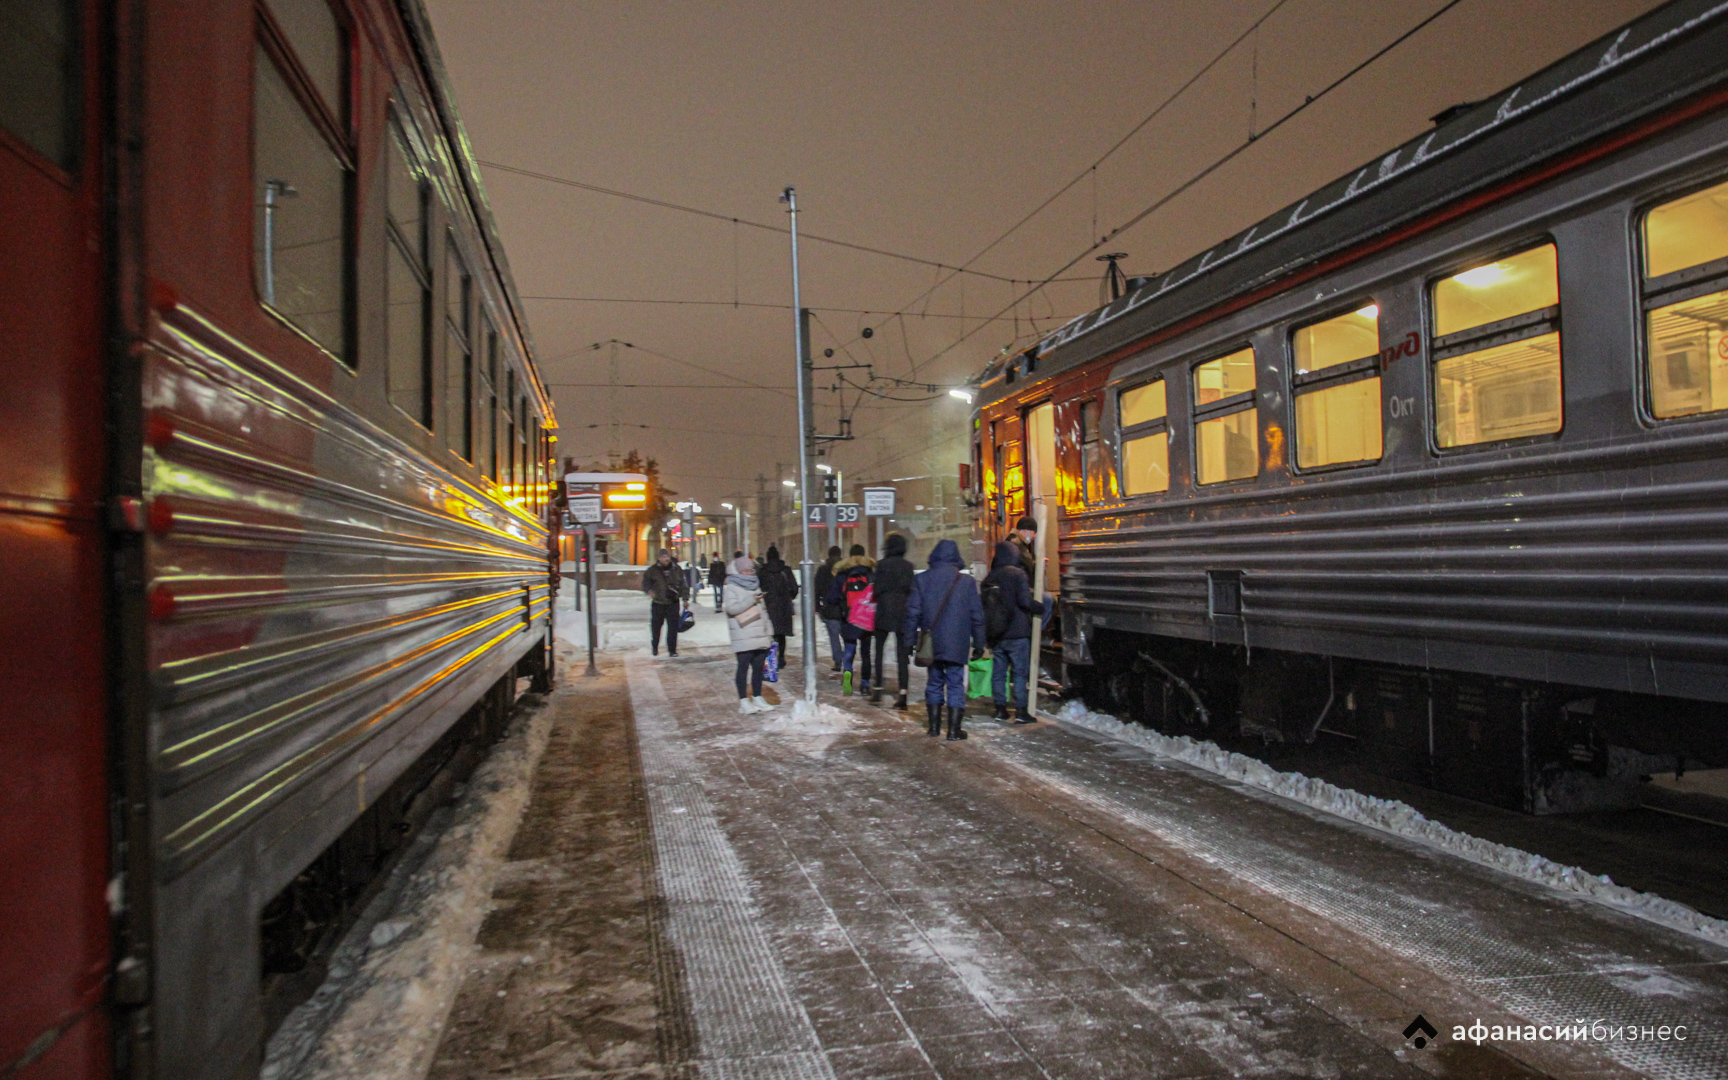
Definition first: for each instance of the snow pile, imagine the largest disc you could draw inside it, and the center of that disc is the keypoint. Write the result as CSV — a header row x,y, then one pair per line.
x,y
1400,819
808,719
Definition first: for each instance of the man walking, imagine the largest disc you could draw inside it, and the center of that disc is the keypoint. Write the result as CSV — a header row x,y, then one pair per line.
x,y
830,614
944,601
667,591
1010,595
893,584
717,578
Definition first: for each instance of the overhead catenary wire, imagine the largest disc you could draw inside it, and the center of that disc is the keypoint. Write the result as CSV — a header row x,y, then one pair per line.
x,y
749,304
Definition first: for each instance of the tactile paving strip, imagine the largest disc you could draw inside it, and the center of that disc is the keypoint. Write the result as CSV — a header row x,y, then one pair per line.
x,y
749,1026
1449,938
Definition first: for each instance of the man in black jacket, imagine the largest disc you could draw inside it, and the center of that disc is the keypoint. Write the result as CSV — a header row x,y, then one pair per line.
x,y
667,590
717,578
1013,650
828,613
893,583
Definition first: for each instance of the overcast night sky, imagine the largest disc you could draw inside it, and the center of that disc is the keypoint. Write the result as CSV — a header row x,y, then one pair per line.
x,y
925,129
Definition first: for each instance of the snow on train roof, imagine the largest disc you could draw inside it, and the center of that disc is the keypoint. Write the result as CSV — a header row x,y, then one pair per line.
x,y
1589,65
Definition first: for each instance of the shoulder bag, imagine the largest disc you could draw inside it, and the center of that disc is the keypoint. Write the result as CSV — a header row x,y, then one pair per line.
x,y
925,654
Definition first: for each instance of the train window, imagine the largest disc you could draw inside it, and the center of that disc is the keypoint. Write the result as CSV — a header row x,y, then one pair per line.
x,y
39,82
406,283
1145,426
300,225
1094,470
1226,423
1141,404
1497,368
1337,389
509,478
458,353
311,30
524,468
1686,303
487,455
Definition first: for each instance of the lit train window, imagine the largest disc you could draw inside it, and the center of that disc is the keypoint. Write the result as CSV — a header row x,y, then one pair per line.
x,y
458,353
1337,389
1144,421
1497,368
1686,303
1094,464
407,284
1226,423
486,457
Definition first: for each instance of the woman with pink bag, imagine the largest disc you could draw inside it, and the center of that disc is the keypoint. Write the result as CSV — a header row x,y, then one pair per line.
x,y
852,592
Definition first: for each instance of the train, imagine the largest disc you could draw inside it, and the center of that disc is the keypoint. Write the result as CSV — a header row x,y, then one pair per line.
x,y
275,508
1427,465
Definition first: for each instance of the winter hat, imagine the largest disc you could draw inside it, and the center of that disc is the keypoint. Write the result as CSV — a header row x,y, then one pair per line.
x,y
743,566
857,549
894,545
773,553
1026,523
834,552
661,552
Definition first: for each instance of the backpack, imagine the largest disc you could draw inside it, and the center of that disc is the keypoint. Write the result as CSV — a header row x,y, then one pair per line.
x,y
997,617
860,603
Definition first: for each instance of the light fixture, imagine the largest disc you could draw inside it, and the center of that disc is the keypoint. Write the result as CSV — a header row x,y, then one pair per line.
x,y
635,487
790,483
824,468
618,498
1478,276
1372,311
727,505
961,394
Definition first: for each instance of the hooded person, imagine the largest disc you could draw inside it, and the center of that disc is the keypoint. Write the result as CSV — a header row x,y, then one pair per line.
x,y
779,589
1013,650
830,616
666,588
717,578
751,632
851,584
892,584
944,601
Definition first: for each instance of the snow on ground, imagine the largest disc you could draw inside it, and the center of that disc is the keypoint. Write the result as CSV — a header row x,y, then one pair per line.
x,y
1400,819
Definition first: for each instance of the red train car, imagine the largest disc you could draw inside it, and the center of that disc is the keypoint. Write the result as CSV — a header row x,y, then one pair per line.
x,y
272,506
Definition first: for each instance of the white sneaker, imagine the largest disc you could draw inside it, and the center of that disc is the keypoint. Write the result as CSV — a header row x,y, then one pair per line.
x,y
762,704
746,707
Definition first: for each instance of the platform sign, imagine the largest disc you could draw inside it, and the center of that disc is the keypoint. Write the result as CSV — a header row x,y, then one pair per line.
x,y
586,509
608,523
820,516
847,515
878,502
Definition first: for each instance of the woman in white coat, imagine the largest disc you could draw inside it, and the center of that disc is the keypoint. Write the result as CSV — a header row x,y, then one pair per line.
x,y
751,630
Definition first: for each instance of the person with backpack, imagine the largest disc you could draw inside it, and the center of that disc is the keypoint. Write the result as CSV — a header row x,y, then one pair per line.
x,y
751,632
944,603
779,589
850,593
717,578
892,584
1008,612
664,583
829,614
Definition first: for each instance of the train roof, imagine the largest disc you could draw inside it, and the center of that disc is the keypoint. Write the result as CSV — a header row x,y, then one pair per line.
x,y
419,25
1656,60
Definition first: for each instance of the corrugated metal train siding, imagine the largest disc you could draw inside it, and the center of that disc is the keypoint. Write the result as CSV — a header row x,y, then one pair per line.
x,y
329,589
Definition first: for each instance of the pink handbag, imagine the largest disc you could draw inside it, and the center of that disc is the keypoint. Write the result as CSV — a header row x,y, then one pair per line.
x,y
861,608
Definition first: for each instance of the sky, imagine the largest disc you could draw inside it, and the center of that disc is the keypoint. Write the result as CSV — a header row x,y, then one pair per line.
x,y
926,131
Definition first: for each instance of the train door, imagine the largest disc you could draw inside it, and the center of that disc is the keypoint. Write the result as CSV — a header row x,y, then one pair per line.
x,y
1042,501
1008,477
54,946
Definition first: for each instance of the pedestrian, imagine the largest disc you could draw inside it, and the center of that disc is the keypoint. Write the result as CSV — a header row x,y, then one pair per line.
x,y
829,615
1025,538
667,592
851,583
717,578
944,601
893,583
779,589
1013,650
750,628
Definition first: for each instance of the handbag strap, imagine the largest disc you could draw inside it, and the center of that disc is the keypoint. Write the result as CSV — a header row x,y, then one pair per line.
x,y
943,606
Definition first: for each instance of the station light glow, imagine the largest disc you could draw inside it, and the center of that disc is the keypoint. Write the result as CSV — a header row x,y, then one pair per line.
x,y
635,487
962,395
790,483
621,498
824,468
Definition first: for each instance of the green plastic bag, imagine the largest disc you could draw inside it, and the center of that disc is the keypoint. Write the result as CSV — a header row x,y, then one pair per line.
x,y
978,677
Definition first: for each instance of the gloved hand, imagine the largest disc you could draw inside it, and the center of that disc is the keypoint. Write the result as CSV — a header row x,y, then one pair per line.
x,y
977,654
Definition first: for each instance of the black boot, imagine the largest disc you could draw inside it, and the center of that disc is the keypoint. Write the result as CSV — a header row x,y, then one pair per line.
x,y
1001,711
876,695
954,717
935,719
1023,715
900,702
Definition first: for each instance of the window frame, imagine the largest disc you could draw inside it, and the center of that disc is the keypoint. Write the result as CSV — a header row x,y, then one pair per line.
x,y
1674,287
1097,444
335,121
1126,434
460,328
1327,378
398,127
1530,324
1217,410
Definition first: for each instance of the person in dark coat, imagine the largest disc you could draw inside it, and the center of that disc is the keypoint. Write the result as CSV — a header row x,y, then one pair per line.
x,y
717,578
894,577
852,575
829,615
944,600
1013,651
1025,540
667,590
779,588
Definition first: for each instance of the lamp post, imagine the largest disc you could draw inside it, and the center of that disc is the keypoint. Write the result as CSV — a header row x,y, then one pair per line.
x,y
807,609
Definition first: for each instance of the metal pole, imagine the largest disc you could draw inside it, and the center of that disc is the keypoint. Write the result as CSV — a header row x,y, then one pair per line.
x,y
593,615
807,609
